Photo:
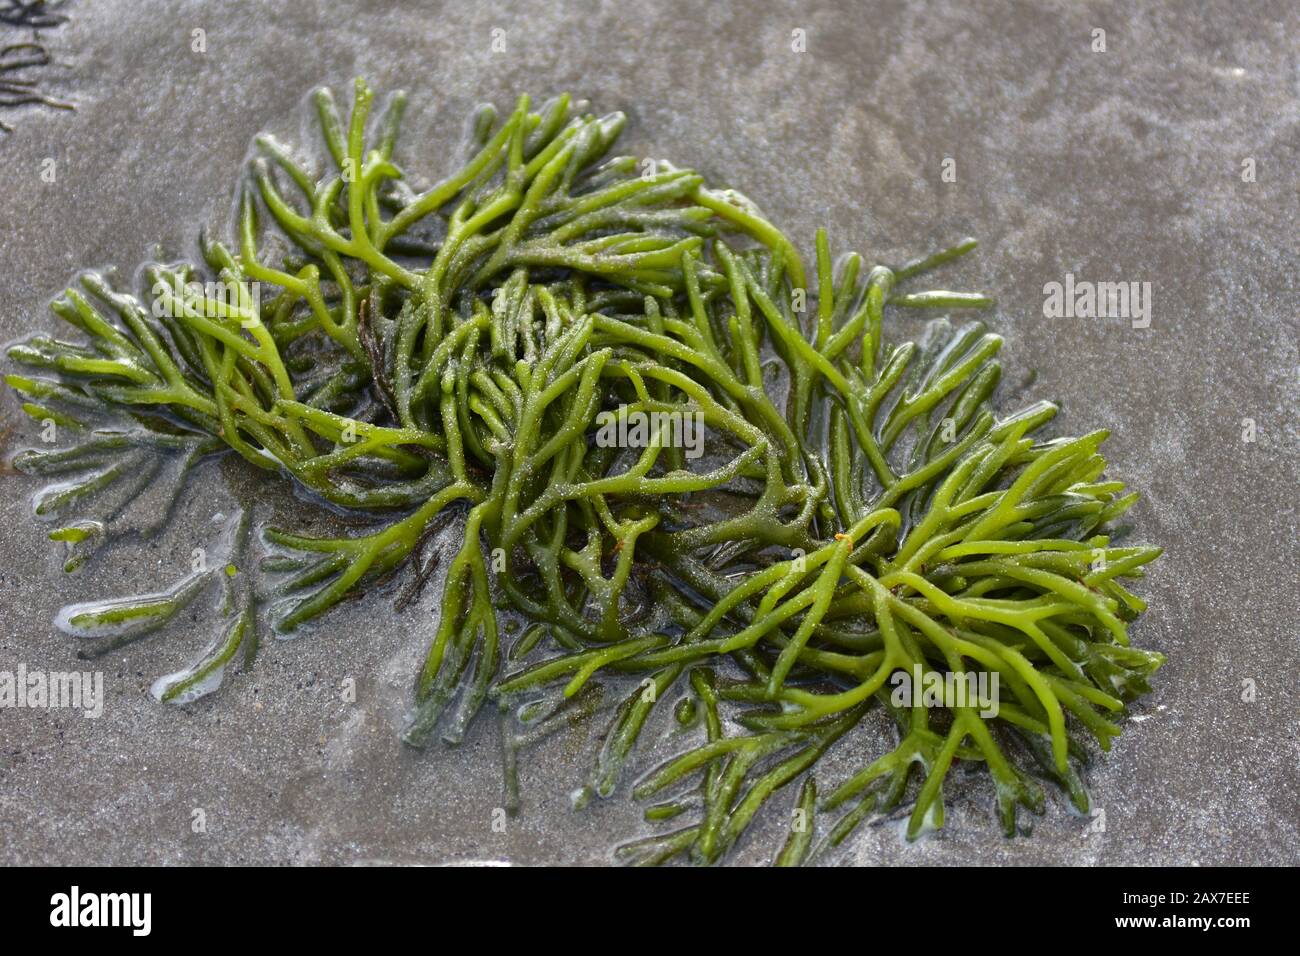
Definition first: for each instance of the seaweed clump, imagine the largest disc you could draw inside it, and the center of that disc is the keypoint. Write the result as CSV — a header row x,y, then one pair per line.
x,y
857,508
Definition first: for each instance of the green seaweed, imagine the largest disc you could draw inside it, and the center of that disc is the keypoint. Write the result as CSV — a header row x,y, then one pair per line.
x,y
861,509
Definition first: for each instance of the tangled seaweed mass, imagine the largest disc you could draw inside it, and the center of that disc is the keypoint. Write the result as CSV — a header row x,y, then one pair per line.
x,y
419,357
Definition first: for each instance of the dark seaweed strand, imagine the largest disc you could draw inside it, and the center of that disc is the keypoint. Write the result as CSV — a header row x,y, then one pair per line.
x,y
32,14
421,354
17,87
